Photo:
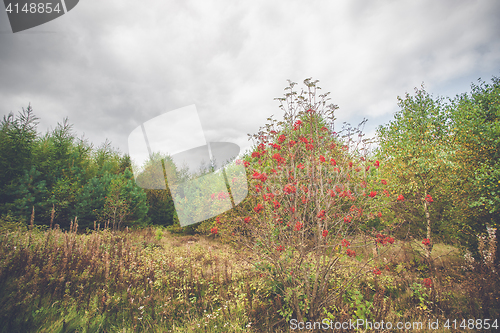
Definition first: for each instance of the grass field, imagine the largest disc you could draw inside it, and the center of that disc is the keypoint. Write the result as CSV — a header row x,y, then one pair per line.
x,y
153,281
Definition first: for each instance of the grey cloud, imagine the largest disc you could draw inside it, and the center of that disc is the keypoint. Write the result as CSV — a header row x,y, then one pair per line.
x,y
113,65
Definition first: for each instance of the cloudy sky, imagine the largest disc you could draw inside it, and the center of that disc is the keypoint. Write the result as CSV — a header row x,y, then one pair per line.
x,y
110,66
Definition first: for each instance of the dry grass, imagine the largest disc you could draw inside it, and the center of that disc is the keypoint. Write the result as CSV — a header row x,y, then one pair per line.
x,y
151,281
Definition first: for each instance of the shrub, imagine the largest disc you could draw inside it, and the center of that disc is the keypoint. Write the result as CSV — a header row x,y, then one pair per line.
x,y
310,194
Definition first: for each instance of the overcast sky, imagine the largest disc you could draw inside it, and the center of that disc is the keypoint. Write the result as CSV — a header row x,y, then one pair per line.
x,y
110,66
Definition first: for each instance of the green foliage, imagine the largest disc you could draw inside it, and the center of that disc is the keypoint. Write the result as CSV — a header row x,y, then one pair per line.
x,y
362,308
59,171
91,200
113,199
30,191
449,151
416,149
161,207
421,296
152,179
64,196
17,137
126,202
476,133
10,224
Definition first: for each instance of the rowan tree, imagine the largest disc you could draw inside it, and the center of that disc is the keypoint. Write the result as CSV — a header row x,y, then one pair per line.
x,y
309,193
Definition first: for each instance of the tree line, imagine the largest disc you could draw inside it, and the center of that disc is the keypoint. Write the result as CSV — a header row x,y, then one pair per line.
x,y
442,155
51,179
447,150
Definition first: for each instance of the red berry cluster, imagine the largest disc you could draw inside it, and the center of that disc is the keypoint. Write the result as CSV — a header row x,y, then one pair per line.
x,y
384,240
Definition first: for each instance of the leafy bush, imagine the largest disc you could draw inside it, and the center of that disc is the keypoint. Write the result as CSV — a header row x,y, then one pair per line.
x,y
312,189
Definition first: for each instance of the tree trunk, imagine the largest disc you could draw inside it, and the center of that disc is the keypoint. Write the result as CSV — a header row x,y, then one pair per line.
x,y
428,248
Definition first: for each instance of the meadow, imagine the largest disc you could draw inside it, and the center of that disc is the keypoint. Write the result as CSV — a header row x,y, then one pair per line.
x,y
154,280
